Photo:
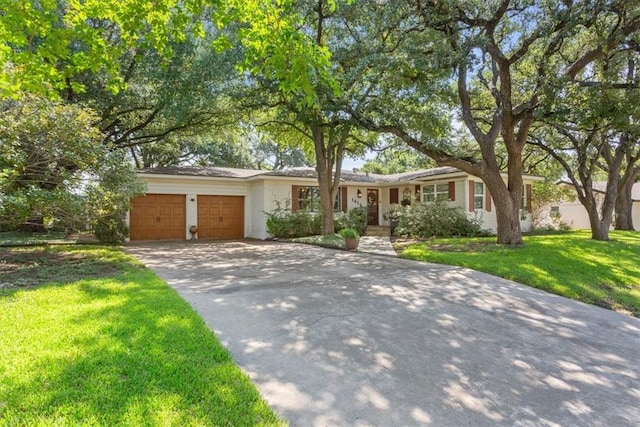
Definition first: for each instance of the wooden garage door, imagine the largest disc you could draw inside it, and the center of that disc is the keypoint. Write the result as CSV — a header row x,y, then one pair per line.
x,y
220,217
158,217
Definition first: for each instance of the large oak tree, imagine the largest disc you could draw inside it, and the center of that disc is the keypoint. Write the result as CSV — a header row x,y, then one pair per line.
x,y
508,59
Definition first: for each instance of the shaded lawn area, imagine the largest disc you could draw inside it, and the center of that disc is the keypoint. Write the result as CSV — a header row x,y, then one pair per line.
x,y
9,238
90,336
606,274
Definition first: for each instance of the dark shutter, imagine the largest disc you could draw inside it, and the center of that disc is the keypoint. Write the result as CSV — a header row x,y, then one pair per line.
x,y
393,196
528,192
452,190
343,195
418,190
294,198
472,191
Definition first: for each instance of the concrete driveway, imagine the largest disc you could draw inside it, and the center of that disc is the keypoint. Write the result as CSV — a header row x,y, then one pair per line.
x,y
333,338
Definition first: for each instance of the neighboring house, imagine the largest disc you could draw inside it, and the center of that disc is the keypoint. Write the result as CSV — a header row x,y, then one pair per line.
x,y
574,214
231,203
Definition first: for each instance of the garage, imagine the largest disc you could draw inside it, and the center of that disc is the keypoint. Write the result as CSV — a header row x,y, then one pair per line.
x,y
220,217
158,217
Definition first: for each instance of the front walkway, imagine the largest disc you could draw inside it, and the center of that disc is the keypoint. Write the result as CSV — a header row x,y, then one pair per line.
x,y
337,338
379,245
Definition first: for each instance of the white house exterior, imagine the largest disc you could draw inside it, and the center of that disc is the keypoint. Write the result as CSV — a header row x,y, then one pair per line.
x,y
231,203
574,214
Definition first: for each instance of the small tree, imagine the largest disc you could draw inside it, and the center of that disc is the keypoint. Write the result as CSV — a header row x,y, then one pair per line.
x,y
54,165
543,195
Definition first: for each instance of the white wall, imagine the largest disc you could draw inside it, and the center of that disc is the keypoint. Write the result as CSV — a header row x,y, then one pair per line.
x,y
274,191
269,193
575,215
254,215
352,197
261,196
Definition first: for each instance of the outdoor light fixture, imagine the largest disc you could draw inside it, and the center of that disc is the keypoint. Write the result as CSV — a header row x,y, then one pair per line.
x,y
359,194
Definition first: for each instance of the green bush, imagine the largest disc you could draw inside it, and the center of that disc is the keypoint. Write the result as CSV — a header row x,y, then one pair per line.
x,y
355,218
284,223
111,229
433,220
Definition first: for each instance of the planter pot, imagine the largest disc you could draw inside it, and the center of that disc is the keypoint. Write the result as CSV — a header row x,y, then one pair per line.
x,y
351,243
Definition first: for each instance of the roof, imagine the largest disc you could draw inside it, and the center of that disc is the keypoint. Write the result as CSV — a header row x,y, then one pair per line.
x,y
202,171
425,173
306,172
299,172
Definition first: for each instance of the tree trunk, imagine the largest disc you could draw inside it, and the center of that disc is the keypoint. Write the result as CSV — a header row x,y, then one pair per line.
x,y
325,161
599,231
599,228
599,223
624,204
507,206
624,220
326,201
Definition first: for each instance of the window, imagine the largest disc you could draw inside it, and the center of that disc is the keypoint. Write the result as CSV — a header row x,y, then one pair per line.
x,y
478,195
435,192
555,212
309,199
523,200
337,205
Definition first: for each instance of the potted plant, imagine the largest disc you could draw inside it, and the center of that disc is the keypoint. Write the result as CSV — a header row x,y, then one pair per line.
x,y
350,237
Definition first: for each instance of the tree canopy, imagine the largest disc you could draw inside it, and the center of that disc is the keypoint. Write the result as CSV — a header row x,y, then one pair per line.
x,y
509,59
174,81
54,167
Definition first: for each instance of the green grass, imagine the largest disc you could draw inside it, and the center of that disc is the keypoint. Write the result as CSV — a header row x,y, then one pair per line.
x,y
572,265
23,238
88,336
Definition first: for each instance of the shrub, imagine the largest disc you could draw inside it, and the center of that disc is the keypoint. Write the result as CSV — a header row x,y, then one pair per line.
x,y
433,220
282,222
355,218
111,229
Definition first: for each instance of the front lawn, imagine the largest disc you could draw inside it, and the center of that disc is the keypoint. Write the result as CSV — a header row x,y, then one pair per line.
x,y
11,238
88,336
572,265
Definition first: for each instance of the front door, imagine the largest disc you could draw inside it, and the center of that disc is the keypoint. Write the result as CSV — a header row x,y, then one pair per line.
x,y
372,207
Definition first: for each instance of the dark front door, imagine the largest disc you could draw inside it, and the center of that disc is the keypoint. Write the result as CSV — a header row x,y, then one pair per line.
x,y
372,207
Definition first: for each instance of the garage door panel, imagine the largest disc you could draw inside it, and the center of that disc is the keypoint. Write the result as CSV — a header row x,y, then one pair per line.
x,y
220,217
158,217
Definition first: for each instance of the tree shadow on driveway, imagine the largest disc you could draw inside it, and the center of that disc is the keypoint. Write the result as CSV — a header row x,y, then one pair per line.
x,y
339,338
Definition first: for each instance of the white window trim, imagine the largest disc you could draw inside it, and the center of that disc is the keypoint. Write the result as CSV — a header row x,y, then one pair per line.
x,y
477,195
435,193
315,201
